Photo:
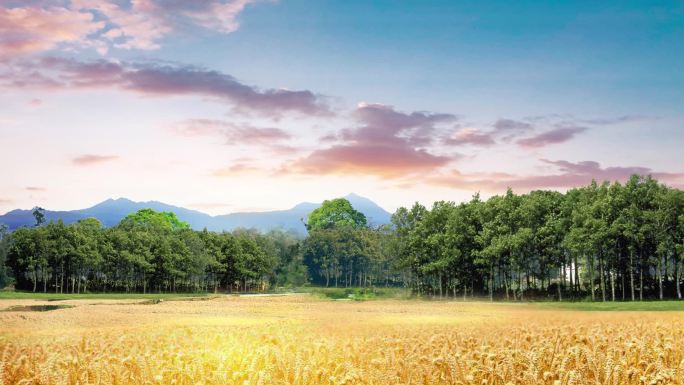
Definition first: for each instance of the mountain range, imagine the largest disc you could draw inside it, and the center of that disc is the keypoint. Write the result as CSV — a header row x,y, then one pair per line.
x,y
111,211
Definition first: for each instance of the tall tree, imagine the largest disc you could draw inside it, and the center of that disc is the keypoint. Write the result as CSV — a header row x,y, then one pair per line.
x,y
335,213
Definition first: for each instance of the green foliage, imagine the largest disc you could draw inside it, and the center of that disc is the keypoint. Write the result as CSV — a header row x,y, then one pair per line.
x,y
600,242
146,252
615,306
348,256
151,218
39,215
335,213
604,241
91,296
360,293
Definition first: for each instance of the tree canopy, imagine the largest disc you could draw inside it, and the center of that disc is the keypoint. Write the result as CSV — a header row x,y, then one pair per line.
x,y
148,217
604,241
335,213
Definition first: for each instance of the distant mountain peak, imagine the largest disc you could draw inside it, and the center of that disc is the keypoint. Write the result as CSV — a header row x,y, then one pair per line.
x,y
115,200
111,211
353,195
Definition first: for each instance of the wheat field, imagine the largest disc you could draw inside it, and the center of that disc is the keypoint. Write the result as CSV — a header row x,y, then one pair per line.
x,y
304,340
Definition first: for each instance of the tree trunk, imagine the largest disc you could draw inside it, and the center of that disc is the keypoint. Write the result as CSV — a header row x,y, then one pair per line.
x,y
577,280
677,274
440,286
562,276
560,291
591,277
491,283
631,272
602,281
505,282
660,277
641,279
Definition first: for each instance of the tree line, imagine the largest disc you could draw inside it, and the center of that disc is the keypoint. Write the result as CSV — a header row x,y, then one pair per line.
x,y
608,241
146,252
603,241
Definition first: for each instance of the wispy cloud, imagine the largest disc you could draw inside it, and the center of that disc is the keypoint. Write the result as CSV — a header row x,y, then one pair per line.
x,y
35,189
272,139
472,136
160,79
624,119
237,169
91,159
567,175
554,136
511,125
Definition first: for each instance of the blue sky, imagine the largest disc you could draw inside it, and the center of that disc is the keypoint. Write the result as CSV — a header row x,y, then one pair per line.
x,y
396,100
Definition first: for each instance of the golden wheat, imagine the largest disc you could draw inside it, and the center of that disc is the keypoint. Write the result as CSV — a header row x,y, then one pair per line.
x,y
298,340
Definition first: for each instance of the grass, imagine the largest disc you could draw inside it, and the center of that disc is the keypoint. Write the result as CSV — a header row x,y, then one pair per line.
x,y
358,293
58,297
616,306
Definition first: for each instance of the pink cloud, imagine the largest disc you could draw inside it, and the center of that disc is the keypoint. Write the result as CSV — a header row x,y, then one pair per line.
x,y
33,29
373,159
35,189
380,115
91,159
161,80
388,143
567,175
237,169
102,24
555,136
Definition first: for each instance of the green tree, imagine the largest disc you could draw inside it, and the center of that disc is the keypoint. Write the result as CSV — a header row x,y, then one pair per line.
x,y
38,215
335,213
149,217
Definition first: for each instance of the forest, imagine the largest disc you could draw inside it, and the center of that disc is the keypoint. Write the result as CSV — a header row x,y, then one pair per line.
x,y
602,242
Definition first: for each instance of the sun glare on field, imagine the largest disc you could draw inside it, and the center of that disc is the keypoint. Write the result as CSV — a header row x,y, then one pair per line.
x,y
302,340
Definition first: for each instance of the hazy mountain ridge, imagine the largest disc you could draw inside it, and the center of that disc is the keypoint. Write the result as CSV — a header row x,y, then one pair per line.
x,y
111,211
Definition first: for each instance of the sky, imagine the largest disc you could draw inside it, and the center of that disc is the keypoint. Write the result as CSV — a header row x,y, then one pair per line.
x,y
252,105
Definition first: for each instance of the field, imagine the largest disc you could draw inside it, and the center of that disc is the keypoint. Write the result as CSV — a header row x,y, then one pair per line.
x,y
303,339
